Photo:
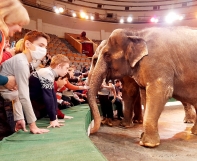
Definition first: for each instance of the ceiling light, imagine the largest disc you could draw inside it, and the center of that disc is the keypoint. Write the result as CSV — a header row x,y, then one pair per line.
x,y
74,15
121,20
129,19
61,9
92,17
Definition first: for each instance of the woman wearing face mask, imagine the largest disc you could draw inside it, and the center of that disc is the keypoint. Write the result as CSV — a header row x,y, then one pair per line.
x,y
12,17
35,44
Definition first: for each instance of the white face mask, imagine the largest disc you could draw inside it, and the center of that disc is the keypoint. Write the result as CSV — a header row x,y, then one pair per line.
x,y
39,53
36,63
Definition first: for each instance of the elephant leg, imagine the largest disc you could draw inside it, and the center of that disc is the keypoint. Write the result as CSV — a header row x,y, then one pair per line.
x,y
138,118
157,95
189,113
194,128
127,112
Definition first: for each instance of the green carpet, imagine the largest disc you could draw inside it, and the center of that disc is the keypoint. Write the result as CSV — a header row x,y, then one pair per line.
x,y
68,143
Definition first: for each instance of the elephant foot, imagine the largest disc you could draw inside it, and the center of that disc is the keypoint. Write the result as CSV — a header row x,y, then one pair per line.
x,y
194,130
138,121
189,118
151,141
125,124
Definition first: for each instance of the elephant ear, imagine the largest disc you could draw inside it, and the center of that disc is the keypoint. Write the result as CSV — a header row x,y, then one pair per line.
x,y
136,49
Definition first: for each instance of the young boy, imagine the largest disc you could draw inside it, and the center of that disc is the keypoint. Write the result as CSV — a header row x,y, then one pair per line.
x,y
41,85
35,44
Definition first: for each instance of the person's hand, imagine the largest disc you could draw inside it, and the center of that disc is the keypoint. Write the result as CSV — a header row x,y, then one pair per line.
x,y
66,103
113,100
84,95
68,117
55,123
11,84
20,125
86,87
81,100
35,130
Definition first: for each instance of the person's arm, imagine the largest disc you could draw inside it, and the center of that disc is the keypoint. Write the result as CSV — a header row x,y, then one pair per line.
x,y
21,72
74,88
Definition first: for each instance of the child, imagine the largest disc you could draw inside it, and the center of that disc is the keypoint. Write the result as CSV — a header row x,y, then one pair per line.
x,y
41,85
59,83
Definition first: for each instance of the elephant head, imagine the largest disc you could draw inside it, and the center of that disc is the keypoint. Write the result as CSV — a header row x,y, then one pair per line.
x,y
116,58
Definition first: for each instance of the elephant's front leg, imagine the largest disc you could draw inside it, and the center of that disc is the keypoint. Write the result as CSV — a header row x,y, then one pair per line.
x,y
156,97
194,128
189,113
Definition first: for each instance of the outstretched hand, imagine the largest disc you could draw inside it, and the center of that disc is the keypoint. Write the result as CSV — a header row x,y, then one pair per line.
x,y
35,130
20,125
54,124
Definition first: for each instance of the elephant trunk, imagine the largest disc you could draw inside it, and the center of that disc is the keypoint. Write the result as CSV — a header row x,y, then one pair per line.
x,y
95,82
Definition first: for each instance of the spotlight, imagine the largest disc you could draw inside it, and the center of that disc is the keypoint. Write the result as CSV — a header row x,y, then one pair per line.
x,y
82,14
74,15
153,19
121,20
56,10
87,17
171,17
92,17
61,10
129,19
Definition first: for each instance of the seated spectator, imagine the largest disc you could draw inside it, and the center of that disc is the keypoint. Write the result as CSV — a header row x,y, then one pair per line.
x,y
76,72
71,95
71,78
118,101
41,85
59,83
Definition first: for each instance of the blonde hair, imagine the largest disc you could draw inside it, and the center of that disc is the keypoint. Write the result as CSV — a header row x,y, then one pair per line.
x,y
19,46
58,59
12,12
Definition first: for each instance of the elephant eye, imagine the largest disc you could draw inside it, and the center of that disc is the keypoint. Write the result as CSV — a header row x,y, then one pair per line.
x,y
94,61
107,56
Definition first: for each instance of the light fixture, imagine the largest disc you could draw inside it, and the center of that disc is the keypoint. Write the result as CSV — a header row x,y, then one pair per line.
x,y
58,9
74,14
121,20
82,14
171,17
92,17
129,19
61,10
154,20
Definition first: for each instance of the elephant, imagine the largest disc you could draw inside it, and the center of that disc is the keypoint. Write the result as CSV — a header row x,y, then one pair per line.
x,y
162,61
130,94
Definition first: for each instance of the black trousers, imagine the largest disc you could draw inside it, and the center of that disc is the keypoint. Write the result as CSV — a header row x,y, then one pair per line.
x,y
7,123
118,104
106,106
